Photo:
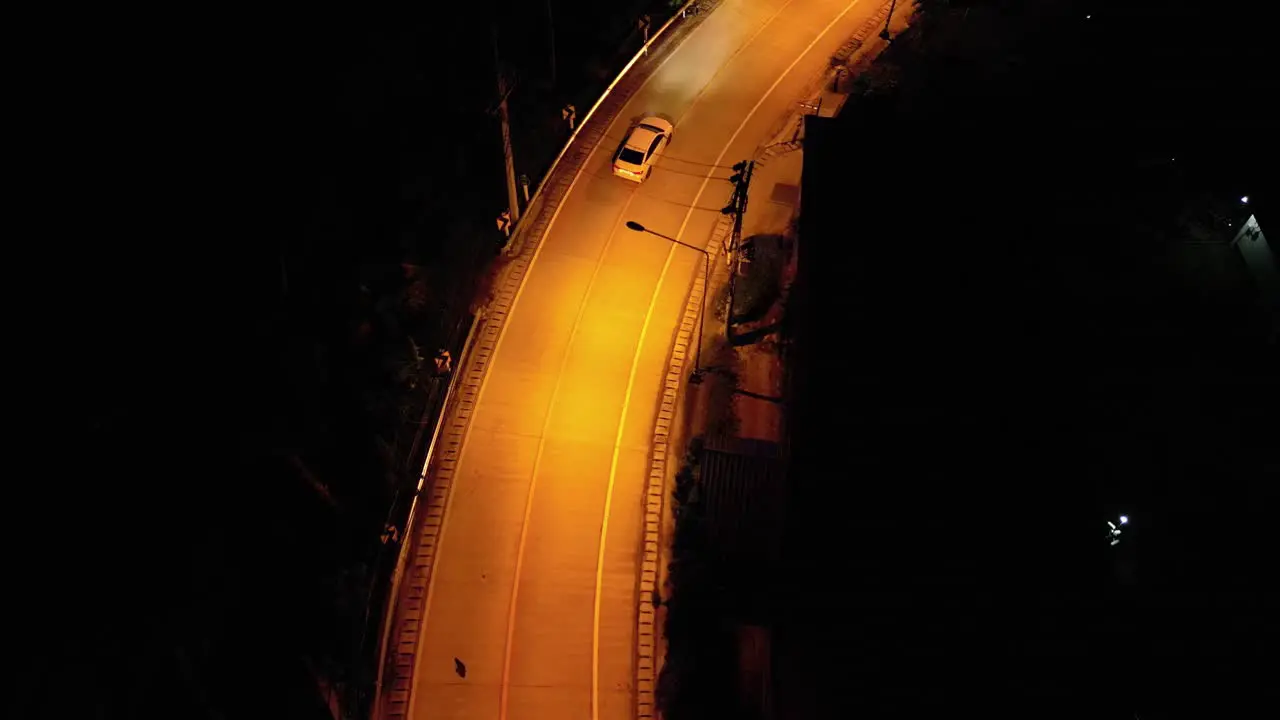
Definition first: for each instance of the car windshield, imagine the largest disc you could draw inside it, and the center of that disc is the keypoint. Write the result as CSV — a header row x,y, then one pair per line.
x,y
635,157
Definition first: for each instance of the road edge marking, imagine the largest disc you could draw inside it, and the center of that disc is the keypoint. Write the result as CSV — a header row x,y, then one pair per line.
x,y
635,362
613,477
657,482
438,546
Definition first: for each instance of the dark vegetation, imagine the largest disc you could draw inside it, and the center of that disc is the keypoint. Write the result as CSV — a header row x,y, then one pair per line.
x,y
286,215
761,282
1017,316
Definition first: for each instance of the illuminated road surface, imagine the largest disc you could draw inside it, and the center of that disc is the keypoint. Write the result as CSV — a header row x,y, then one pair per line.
x,y
557,452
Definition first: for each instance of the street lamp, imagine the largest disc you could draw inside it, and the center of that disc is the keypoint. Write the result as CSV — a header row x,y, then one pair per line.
x,y
706,287
1113,532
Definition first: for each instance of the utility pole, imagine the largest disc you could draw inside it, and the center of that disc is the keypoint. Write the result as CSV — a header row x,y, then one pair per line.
x,y
512,198
737,207
884,34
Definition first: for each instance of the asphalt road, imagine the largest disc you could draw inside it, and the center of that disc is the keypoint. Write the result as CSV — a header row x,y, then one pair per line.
x,y
535,586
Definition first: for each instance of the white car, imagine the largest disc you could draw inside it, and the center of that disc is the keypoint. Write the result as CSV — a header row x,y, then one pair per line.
x,y
642,147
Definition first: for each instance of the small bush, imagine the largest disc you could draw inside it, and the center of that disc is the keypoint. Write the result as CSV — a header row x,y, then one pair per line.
x,y
760,285
720,307
722,419
697,678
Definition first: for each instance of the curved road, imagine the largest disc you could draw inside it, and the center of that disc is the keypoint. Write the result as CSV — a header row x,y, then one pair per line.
x,y
535,583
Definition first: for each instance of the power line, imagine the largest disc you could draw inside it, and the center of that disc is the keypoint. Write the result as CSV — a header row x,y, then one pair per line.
x,y
683,205
695,162
607,139
691,174
676,203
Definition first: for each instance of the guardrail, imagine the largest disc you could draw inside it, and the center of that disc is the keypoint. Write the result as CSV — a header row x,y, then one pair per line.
x,y
397,575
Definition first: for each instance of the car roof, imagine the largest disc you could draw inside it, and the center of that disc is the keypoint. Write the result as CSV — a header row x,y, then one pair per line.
x,y
641,136
656,122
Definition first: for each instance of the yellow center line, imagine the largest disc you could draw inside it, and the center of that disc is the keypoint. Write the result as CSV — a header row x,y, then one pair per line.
x,y
644,330
537,459
698,97
466,439
505,686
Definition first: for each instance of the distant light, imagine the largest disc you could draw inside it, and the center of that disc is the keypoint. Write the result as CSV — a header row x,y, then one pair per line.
x,y
1086,17
1245,199
1124,519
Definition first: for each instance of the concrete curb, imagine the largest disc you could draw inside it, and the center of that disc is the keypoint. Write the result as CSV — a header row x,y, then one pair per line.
x,y
649,638
397,577
394,701
650,642
419,548
647,631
